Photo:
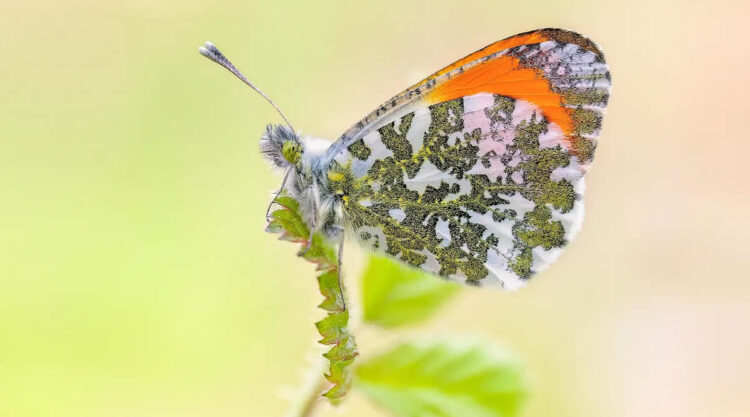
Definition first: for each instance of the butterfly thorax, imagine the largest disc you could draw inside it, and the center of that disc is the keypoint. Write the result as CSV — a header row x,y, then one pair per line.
x,y
307,164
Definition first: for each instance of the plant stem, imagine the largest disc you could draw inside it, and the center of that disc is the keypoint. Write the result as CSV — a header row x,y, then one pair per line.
x,y
309,397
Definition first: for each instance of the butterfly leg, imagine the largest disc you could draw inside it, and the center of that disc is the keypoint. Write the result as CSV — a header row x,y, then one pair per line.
x,y
340,271
278,193
309,241
312,202
313,226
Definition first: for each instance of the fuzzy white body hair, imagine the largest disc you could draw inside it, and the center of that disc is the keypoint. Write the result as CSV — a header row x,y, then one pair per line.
x,y
320,209
314,147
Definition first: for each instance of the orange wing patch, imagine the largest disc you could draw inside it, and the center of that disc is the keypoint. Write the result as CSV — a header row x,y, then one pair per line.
x,y
517,40
528,38
504,76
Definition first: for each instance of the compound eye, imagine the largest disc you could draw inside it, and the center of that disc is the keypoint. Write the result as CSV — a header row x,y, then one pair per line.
x,y
291,151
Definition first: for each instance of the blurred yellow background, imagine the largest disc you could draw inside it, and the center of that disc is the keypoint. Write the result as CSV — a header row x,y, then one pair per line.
x,y
135,275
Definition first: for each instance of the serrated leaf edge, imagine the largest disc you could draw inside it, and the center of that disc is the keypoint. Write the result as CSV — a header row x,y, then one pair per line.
x,y
333,327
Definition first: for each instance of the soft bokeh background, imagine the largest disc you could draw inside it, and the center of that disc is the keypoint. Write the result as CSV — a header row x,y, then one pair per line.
x,y
135,276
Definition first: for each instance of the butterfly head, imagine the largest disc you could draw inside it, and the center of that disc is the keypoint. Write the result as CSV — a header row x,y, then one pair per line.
x,y
292,151
281,146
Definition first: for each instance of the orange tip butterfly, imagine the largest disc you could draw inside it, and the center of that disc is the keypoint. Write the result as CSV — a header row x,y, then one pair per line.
x,y
474,174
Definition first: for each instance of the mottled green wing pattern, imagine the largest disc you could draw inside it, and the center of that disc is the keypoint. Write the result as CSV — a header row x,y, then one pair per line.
x,y
483,189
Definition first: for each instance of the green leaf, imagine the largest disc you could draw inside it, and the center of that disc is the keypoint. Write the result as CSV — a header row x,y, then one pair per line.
x,y
395,295
333,328
328,283
444,379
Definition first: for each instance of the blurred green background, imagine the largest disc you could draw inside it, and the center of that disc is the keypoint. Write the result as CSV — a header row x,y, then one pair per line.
x,y
135,275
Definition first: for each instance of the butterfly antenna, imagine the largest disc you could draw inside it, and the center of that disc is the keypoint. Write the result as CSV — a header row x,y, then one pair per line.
x,y
211,52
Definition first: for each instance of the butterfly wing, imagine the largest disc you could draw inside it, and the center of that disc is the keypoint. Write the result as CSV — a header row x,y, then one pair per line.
x,y
476,172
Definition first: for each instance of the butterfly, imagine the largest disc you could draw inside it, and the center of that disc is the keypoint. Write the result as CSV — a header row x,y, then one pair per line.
x,y
474,174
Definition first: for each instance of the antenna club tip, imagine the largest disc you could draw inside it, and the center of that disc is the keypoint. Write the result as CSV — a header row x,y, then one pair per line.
x,y
208,50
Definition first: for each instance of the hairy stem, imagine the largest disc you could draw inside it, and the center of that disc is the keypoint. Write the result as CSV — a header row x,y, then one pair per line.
x,y
309,397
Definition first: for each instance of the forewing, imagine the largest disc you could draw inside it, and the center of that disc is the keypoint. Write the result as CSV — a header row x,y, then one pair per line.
x,y
476,173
